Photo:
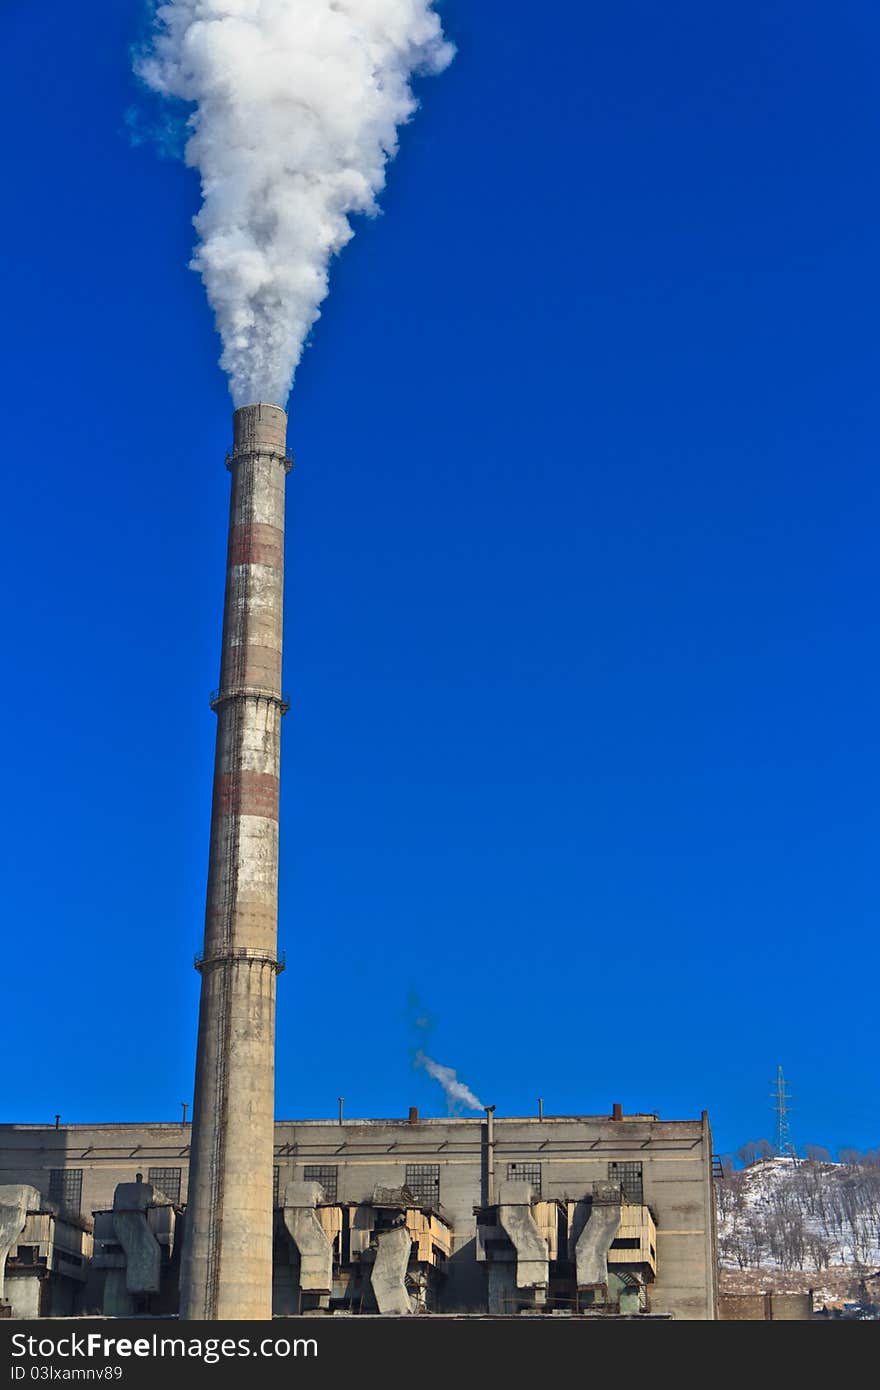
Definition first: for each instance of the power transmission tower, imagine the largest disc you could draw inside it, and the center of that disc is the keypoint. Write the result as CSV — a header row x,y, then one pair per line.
x,y
781,1097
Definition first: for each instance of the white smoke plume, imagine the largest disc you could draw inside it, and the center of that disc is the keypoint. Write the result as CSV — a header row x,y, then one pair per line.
x,y
456,1091
297,105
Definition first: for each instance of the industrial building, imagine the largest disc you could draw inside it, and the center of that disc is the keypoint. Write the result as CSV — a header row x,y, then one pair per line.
x,y
583,1215
239,1216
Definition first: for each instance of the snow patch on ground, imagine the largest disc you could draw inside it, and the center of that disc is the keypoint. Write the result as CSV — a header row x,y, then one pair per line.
x,y
791,1214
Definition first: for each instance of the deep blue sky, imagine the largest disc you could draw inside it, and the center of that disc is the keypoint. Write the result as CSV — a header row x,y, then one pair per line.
x,y
582,630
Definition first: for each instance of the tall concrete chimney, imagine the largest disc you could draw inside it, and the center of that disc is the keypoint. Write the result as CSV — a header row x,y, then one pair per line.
x,y
227,1257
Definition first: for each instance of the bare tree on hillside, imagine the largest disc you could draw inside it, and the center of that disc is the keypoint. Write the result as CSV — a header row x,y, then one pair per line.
x,y
812,1180
753,1151
730,1194
818,1250
784,1224
817,1153
732,1249
851,1157
756,1233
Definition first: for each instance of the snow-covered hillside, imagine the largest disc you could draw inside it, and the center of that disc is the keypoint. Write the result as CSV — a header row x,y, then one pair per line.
x,y
800,1215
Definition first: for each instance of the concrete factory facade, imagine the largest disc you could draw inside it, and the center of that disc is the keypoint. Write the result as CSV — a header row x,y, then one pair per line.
x,y
587,1215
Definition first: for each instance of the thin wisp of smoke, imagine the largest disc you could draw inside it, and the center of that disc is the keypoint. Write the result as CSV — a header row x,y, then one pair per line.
x,y
456,1091
297,107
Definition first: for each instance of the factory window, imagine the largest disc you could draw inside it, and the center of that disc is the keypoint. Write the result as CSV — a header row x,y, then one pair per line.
x,y
625,1243
526,1172
324,1174
65,1188
629,1175
423,1181
167,1180
276,1183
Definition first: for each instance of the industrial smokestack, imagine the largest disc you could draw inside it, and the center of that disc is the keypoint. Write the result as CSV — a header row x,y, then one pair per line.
x,y
227,1258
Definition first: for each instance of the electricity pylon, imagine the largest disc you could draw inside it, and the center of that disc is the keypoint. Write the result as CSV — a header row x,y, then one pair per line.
x,y
781,1097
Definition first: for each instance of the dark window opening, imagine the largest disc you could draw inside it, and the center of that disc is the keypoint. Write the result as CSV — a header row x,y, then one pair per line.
x,y
423,1181
625,1243
629,1175
526,1172
65,1188
325,1174
386,1218
167,1180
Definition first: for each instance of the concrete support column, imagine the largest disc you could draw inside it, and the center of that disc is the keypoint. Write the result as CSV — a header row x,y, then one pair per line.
x,y
16,1201
227,1257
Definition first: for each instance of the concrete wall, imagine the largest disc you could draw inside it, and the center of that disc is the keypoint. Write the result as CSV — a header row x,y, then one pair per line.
x,y
791,1307
107,1154
765,1307
574,1152
25,1295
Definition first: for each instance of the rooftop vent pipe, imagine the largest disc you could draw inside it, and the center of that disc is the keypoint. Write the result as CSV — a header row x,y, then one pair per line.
x,y
490,1155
